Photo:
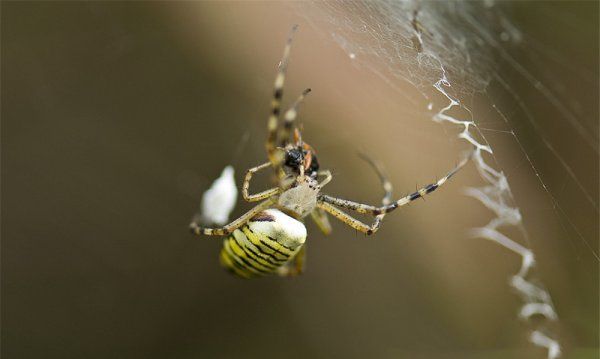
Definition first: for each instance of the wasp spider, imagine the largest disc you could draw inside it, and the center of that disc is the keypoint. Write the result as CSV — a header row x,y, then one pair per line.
x,y
270,238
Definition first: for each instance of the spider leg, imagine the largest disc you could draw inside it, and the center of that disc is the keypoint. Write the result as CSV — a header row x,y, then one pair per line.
x,y
261,195
385,183
368,209
275,156
229,228
328,177
319,216
289,118
349,220
295,266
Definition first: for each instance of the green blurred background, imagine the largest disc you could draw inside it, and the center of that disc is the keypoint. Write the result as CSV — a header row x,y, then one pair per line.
x,y
116,116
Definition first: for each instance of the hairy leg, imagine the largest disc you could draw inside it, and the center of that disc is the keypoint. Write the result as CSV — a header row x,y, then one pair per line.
x,y
229,228
289,117
374,210
261,195
275,156
349,220
319,216
385,183
327,179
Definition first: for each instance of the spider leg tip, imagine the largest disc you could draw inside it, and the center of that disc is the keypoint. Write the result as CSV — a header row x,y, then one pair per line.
x,y
195,228
292,32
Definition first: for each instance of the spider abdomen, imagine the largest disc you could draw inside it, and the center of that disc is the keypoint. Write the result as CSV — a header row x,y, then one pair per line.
x,y
264,245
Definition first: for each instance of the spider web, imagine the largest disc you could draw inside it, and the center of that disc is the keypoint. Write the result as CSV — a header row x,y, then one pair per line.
x,y
460,53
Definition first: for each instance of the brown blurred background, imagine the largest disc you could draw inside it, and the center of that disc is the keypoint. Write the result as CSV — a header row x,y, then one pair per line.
x,y
117,116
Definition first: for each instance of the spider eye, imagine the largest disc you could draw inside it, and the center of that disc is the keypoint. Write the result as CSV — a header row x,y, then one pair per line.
x,y
293,158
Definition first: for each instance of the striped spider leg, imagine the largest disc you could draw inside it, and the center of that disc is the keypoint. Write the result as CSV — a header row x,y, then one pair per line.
x,y
284,134
385,183
229,228
318,215
387,198
276,157
261,195
289,119
275,134
328,204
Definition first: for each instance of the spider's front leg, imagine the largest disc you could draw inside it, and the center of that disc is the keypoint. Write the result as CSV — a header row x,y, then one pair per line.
x,y
261,195
385,183
327,179
319,214
373,210
289,118
349,220
276,157
229,228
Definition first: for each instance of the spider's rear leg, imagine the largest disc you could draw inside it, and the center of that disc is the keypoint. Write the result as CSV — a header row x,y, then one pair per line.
x,y
261,195
229,228
319,216
295,266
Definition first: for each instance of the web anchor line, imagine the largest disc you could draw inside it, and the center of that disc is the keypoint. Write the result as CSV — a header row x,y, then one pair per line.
x,y
495,196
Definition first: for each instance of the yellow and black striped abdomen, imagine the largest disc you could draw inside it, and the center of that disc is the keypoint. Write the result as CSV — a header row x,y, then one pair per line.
x,y
263,245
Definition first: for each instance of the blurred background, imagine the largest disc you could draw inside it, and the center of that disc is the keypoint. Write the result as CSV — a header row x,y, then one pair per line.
x,y
116,117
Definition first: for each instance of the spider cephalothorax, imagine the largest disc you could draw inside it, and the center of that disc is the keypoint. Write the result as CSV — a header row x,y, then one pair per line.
x,y
270,237
301,198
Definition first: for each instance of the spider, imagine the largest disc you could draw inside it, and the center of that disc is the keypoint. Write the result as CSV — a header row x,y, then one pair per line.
x,y
270,238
